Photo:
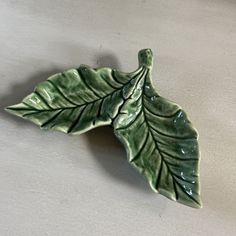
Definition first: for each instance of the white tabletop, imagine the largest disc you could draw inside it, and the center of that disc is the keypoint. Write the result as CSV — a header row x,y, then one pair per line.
x,y
59,185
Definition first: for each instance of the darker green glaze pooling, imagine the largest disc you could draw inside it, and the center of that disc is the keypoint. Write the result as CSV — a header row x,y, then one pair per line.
x,y
157,134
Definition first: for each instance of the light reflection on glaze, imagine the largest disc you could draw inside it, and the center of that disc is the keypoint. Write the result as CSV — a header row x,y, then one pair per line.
x,y
35,102
153,98
183,151
49,97
182,175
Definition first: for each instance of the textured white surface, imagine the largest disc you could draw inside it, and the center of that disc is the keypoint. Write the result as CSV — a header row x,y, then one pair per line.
x,y
54,184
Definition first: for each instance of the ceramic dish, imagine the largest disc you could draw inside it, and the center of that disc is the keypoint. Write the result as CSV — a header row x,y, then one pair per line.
x,y
156,133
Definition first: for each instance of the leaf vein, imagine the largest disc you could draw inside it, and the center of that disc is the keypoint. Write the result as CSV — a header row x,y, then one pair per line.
x,y
43,99
62,94
85,82
72,126
51,119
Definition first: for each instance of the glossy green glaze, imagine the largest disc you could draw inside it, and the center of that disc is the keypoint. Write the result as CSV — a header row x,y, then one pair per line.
x,y
159,139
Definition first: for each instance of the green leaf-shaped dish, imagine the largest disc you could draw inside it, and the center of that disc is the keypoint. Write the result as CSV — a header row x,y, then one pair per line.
x,y
157,134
